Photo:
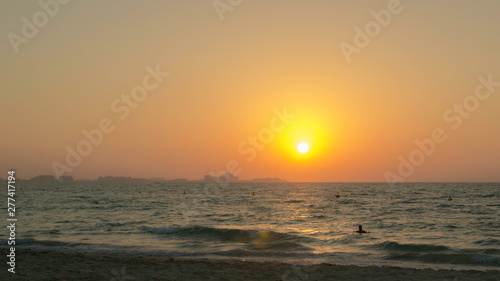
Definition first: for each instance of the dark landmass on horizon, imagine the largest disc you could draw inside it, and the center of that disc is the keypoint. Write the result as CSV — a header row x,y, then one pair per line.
x,y
225,178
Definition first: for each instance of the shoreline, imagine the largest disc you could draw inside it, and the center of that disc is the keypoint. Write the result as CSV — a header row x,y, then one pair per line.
x,y
46,265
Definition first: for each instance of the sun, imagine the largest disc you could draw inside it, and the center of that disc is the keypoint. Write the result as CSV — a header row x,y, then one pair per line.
x,y
303,147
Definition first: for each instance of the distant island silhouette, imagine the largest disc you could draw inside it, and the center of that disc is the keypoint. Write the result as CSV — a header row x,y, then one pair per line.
x,y
225,178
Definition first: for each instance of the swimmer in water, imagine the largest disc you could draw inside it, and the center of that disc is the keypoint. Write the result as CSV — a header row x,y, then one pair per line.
x,y
360,230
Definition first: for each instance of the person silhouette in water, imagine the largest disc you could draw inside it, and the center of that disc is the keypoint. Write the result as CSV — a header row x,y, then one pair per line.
x,y
360,230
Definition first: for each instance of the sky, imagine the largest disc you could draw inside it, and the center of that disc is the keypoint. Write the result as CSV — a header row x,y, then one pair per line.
x,y
380,90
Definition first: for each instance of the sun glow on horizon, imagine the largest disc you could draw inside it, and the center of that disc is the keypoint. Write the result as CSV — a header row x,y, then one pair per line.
x,y
303,147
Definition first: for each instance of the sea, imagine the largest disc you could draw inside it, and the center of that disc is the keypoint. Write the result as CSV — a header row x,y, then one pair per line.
x,y
415,225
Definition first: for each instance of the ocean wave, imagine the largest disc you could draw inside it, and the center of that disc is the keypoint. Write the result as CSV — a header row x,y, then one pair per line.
x,y
46,243
394,246
163,230
442,258
269,238
119,224
279,251
60,246
490,251
277,245
489,241
439,254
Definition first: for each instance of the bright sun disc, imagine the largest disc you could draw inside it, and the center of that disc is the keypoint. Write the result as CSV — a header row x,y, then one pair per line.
x,y
303,147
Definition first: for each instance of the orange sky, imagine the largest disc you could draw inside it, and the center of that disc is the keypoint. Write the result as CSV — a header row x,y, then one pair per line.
x,y
227,77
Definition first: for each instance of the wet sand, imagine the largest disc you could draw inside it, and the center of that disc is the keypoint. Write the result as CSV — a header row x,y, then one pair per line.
x,y
34,265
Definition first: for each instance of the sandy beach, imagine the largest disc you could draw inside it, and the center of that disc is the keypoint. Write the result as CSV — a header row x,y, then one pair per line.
x,y
33,265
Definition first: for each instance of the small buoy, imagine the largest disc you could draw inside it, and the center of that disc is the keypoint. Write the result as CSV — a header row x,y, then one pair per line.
x,y
337,195
253,193
184,193
449,198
